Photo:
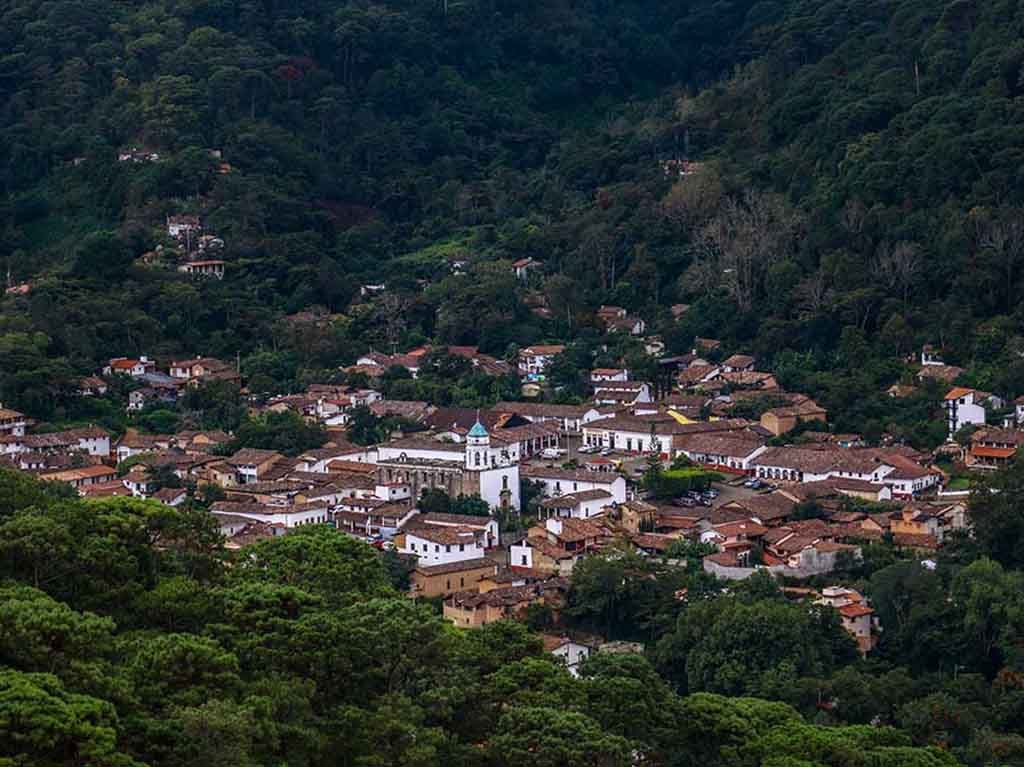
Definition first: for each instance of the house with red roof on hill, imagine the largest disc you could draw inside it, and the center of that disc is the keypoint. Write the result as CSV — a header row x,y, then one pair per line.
x,y
966,406
856,615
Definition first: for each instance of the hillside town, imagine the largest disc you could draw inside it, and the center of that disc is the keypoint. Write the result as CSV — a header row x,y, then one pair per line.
x,y
492,508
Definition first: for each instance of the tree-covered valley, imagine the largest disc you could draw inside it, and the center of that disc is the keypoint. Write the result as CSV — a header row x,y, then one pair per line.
x,y
825,185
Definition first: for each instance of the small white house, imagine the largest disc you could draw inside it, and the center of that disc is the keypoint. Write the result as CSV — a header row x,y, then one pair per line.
x,y
95,442
523,266
581,505
213,268
12,423
556,482
534,360
967,406
931,356
393,491
441,544
604,375
570,652
134,368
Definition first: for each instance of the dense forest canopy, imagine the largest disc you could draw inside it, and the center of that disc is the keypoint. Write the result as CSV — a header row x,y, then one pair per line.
x,y
129,636
858,190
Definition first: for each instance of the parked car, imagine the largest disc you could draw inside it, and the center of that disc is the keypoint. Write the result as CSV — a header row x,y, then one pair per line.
x,y
754,484
586,449
606,452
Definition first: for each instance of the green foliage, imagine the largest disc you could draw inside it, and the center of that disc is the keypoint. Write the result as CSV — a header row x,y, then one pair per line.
x,y
213,405
18,491
671,483
142,641
693,552
438,501
44,724
618,595
317,559
364,428
996,520
549,737
99,555
285,432
759,646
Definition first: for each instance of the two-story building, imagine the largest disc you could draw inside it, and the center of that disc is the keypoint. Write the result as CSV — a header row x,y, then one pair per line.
x,y
581,505
443,580
12,423
993,448
534,360
556,482
473,609
252,464
966,406
557,544
441,544
855,613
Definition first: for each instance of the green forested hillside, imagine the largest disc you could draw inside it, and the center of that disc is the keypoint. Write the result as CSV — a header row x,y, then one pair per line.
x,y
858,194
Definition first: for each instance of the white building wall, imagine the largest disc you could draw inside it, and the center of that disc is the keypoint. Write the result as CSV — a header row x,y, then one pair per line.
x,y
624,441
287,517
555,486
736,462
98,446
494,481
588,509
967,413
572,654
520,555
432,553
442,453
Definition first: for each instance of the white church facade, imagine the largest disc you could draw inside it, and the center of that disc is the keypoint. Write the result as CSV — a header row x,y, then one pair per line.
x,y
481,465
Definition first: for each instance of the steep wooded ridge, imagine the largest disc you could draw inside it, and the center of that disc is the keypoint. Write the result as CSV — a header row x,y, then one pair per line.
x,y
857,194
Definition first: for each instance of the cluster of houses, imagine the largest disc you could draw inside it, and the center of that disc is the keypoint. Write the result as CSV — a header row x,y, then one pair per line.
x,y
195,252
159,383
809,506
375,364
